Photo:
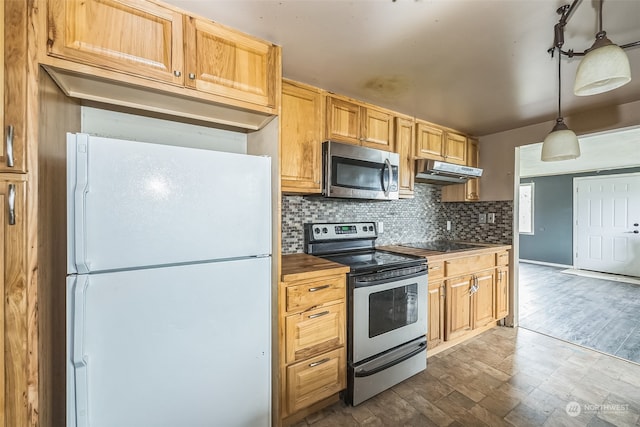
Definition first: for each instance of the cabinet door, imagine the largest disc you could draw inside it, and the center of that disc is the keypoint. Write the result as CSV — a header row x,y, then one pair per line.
x,y
13,90
472,187
13,335
138,37
301,122
458,300
313,332
315,379
405,143
429,142
483,299
435,325
225,62
455,150
377,129
343,121
502,293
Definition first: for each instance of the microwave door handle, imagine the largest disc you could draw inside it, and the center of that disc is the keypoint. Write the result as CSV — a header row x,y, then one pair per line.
x,y
387,167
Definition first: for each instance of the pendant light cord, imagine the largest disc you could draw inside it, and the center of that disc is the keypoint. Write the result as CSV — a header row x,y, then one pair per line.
x,y
559,85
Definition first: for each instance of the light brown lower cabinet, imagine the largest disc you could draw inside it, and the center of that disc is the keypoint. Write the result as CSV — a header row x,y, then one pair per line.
x,y
315,379
312,341
466,294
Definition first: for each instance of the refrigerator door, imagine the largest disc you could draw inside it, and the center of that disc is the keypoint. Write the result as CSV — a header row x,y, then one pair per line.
x,y
134,204
172,346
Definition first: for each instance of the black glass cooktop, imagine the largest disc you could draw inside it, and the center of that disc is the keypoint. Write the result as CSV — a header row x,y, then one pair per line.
x,y
374,260
440,246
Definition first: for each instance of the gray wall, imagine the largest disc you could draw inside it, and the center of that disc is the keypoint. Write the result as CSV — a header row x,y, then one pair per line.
x,y
552,240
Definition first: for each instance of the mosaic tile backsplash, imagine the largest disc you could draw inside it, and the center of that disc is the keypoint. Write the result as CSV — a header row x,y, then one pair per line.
x,y
422,218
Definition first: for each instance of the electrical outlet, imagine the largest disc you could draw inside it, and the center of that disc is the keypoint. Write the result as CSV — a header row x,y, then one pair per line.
x,y
491,218
380,227
448,225
482,218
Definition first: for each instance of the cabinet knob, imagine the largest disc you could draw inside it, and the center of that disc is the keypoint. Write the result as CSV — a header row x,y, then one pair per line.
x,y
192,76
177,73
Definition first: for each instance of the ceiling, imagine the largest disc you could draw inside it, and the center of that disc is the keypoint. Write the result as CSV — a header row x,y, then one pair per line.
x,y
479,66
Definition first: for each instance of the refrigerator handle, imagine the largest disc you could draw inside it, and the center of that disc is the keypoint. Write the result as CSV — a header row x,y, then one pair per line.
x,y
80,193
78,357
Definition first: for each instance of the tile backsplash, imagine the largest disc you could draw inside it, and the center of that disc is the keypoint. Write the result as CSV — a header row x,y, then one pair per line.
x,y
422,218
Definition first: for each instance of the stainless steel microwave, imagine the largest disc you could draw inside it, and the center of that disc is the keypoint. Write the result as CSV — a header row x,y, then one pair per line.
x,y
355,172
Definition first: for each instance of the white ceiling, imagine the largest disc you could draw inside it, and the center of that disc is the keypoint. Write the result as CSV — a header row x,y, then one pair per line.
x,y
480,66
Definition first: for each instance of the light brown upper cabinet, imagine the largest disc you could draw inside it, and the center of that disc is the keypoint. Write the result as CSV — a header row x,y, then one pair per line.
x,y
301,120
455,148
359,124
137,37
225,62
429,141
144,39
469,191
405,142
13,90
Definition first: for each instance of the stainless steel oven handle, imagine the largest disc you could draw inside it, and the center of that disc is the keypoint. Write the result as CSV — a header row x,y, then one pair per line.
x,y
364,373
387,167
362,283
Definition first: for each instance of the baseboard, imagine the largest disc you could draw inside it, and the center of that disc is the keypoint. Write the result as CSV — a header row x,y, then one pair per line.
x,y
549,264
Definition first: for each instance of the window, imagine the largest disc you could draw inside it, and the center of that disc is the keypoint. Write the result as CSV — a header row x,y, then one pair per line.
x,y
526,208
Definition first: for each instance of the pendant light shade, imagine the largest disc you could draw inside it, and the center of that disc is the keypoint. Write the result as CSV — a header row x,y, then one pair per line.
x,y
560,144
605,67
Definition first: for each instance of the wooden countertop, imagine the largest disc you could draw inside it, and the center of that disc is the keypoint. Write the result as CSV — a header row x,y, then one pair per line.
x,y
440,256
303,266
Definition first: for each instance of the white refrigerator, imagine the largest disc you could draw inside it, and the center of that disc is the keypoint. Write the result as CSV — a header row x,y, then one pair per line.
x,y
168,286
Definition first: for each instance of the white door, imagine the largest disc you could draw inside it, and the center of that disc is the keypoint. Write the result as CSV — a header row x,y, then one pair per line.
x,y
607,224
187,345
135,204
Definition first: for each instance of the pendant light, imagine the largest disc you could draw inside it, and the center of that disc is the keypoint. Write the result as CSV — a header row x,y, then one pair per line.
x,y
605,66
562,142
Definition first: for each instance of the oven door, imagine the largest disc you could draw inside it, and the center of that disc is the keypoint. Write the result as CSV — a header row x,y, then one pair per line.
x,y
387,313
351,171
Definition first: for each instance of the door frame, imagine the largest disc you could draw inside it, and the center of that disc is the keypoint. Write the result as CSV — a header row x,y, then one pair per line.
x,y
575,206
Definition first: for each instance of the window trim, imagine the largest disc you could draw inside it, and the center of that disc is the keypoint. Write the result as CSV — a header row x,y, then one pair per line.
x,y
532,212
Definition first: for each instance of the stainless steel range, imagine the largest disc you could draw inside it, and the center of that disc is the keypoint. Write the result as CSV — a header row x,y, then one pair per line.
x,y
387,306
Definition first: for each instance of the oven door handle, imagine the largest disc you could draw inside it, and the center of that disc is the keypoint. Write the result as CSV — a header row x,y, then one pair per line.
x,y
421,347
363,283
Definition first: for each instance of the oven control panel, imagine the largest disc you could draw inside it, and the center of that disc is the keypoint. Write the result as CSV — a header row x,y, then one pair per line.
x,y
342,230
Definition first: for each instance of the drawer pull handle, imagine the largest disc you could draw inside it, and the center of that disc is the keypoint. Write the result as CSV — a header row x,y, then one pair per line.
x,y
313,316
10,146
319,362
318,288
11,201
435,267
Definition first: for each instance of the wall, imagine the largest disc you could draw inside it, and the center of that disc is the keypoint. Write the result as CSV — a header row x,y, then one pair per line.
x,y
422,218
119,125
552,240
497,150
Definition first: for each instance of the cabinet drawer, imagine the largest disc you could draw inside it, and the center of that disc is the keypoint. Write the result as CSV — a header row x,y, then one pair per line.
x,y
312,332
470,264
436,270
308,294
315,379
502,258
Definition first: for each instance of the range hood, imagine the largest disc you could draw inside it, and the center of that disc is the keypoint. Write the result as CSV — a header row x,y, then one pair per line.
x,y
442,173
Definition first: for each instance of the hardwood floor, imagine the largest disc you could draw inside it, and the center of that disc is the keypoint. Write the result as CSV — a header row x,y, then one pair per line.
x,y
504,377
596,313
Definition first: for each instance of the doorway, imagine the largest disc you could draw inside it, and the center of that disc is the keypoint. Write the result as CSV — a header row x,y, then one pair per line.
x,y
606,232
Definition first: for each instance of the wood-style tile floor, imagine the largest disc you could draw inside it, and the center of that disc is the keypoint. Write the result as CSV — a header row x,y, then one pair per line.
x,y
596,313
504,377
